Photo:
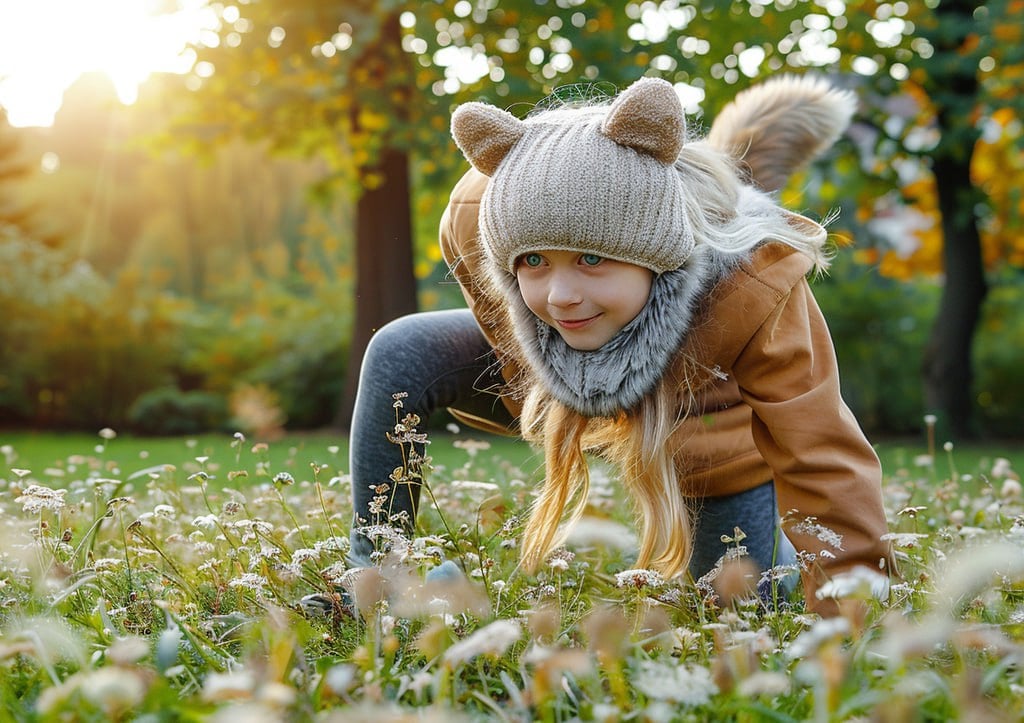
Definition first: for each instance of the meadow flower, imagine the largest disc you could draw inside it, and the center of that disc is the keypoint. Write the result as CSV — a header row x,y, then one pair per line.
x,y
205,521
304,554
474,486
235,685
860,583
905,540
822,632
37,497
764,682
811,526
1001,469
590,531
639,579
689,686
1011,489
492,639
471,446
250,581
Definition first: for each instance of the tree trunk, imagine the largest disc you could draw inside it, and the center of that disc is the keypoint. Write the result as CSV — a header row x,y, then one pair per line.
x,y
947,366
385,282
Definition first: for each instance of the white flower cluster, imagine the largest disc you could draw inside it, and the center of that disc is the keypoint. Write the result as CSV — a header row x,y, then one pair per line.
x,y
493,639
690,686
810,526
37,497
639,579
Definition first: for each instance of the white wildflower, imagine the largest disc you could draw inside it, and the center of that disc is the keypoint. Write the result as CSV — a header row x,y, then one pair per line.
x,y
220,687
861,583
38,497
250,581
810,526
1001,469
493,639
107,433
639,578
904,540
164,511
304,554
558,564
474,486
686,685
592,531
1011,489
763,682
810,641
338,544
107,564
207,521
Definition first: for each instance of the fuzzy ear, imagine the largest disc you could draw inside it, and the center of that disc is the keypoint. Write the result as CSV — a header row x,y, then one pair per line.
x,y
485,134
777,126
648,116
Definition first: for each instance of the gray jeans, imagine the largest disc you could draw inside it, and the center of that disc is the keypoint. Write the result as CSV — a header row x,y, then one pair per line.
x,y
442,360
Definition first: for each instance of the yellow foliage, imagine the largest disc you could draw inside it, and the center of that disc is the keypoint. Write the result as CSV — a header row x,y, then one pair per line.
x,y
371,122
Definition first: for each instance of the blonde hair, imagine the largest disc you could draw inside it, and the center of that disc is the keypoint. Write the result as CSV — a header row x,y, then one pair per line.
x,y
730,217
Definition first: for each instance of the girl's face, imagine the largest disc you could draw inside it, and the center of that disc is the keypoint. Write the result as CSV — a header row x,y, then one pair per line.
x,y
585,297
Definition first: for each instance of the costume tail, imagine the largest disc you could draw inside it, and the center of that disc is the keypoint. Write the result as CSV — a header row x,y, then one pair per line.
x,y
777,126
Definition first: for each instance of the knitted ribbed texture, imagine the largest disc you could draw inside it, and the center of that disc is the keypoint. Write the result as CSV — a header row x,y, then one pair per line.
x,y
566,184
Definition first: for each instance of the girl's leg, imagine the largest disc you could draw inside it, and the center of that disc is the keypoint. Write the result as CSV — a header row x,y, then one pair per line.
x,y
439,359
753,511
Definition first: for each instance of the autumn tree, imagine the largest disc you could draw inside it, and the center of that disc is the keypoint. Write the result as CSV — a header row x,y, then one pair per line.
x,y
370,86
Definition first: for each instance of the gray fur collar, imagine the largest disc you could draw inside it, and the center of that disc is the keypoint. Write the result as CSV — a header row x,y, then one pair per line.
x,y
614,378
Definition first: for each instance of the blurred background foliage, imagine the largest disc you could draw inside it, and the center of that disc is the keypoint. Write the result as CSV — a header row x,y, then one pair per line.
x,y
187,262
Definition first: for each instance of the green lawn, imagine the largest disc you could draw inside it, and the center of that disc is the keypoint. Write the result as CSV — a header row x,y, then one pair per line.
x,y
296,452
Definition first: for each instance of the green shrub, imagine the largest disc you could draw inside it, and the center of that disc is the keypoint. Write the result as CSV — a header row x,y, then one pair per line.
x,y
170,411
999,356
879,327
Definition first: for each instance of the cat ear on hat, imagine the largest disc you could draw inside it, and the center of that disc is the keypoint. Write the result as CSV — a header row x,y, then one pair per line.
x,y
485,134
649,118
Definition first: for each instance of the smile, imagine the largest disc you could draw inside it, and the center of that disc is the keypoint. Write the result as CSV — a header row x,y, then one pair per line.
x,y
572,324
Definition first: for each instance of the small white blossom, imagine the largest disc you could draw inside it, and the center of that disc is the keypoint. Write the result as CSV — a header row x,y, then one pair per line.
x,y
493,639
905,540
810,526
38,497
686,685
810,641
250,581
860,583
639,578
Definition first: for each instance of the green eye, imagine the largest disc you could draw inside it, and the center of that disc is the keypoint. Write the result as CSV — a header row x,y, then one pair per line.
x,y
591,259
532,260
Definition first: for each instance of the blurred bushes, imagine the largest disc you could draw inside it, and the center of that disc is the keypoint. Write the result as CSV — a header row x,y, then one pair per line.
x,y
880,327
80,352
999,357
77,351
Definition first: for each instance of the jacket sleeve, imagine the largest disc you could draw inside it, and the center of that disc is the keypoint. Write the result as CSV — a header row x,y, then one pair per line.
x,y
827,476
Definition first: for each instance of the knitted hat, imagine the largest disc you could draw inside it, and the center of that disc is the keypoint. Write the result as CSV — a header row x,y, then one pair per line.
x,y
596,180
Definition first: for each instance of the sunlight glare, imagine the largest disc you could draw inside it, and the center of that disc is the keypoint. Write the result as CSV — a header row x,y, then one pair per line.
x,y
45,45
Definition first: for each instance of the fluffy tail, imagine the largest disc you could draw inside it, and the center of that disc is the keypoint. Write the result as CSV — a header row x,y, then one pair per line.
x,y
777,126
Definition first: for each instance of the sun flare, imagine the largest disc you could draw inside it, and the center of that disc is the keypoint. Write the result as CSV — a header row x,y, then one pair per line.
x,y
45,45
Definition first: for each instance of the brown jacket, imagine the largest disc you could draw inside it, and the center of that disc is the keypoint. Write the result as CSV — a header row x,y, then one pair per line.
x,y
770,410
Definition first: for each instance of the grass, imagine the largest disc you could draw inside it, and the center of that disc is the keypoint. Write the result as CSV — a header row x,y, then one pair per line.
x,y
178,579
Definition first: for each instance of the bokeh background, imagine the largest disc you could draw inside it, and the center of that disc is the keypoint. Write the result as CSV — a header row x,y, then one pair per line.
x,y
206,208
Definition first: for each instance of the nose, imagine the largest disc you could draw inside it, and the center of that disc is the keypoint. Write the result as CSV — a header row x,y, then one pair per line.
x,y
563,291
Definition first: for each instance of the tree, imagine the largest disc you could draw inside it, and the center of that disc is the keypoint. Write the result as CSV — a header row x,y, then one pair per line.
x,y
305,75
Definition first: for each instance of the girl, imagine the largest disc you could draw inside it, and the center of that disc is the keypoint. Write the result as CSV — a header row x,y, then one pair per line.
x,y
632,293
